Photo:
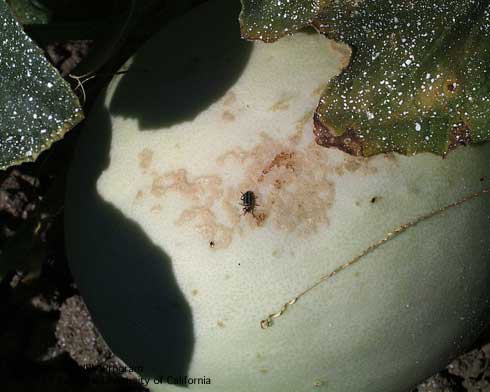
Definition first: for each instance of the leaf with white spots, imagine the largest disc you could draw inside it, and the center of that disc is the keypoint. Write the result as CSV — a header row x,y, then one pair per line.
x,y
37,107
418,80
29,11
269,20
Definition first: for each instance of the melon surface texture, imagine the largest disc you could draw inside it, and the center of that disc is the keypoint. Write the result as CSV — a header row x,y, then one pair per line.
x,y
185,285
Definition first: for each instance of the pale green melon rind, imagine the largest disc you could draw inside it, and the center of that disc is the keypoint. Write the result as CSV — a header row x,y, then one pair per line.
x,y
384,324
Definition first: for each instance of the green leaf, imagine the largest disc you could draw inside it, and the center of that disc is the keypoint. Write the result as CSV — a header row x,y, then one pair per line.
x,y
418,81
270,20
37,107
29,11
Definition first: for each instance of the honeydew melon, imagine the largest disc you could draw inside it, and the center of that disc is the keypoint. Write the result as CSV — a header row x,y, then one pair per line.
x,y
349,274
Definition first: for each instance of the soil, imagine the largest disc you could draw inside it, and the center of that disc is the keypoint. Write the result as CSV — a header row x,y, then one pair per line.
x,y
47,337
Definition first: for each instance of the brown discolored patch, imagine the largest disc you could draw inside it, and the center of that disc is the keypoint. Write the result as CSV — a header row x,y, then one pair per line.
x,y
319,90
281,105
228,116
295,193
139,195
391,157
460,136
145,158
202,191
230,209
278,183
236,154
220,324
230,99
300,126
292,183
352,164
194,292
260,218
348,142
156,208
307,117
157,186
343,50
284,159
207,225
264,370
